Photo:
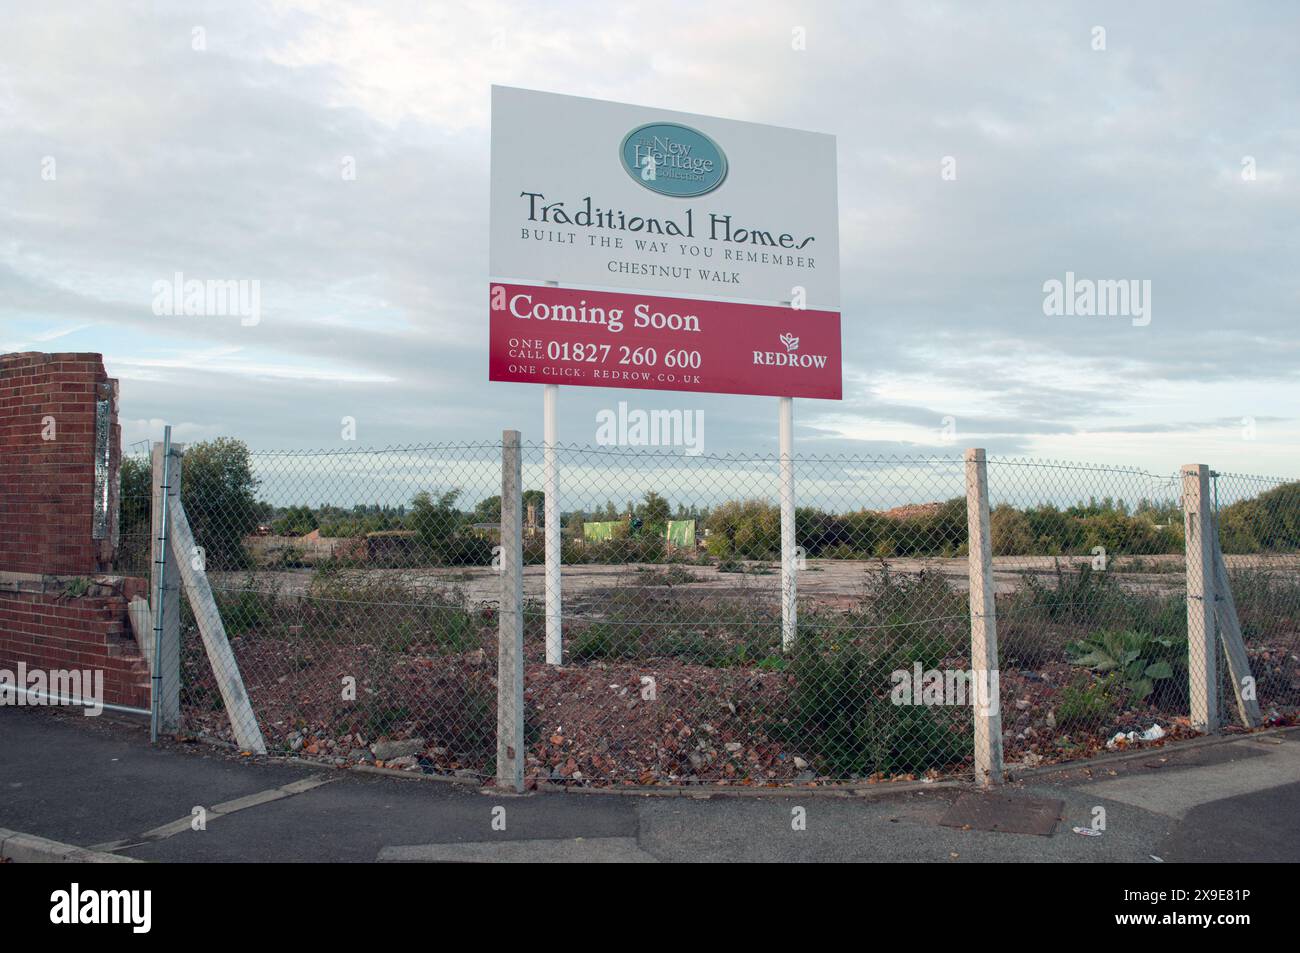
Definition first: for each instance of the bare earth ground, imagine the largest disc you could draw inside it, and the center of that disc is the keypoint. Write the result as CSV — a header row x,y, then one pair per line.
x,y
826,581
589,722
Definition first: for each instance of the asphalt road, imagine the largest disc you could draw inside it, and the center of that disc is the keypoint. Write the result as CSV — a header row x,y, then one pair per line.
x,y
98,782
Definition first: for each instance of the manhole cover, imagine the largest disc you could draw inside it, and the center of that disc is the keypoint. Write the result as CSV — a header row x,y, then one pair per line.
x,y
1006,813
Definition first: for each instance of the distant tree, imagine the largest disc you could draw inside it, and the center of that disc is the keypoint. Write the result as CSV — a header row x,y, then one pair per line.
x,y
296,521
219,493
488,510
435,520
654,510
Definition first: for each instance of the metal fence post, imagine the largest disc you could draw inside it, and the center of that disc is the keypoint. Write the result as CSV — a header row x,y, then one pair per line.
x,y
164,653
510,626
985,701
1202,660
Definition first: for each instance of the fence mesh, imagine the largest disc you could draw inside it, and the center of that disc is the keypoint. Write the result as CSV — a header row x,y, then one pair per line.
x,y
1091,606
359,591
675,665
1259,532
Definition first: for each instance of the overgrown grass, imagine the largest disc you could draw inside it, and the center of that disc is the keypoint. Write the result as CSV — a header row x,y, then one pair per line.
x,y
392,613
1042,616
1268,603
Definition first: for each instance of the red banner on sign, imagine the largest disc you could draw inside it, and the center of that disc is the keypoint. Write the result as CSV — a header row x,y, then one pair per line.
x,y
545,335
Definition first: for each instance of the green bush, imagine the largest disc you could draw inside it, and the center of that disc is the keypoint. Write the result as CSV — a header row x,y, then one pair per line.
x,y
604,640
750,529
1011,531
1268,522
840,712
390,613
1267,603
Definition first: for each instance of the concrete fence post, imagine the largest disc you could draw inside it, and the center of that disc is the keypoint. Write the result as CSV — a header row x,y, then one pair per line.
x,y
163,560
985,685
1202,659
510,625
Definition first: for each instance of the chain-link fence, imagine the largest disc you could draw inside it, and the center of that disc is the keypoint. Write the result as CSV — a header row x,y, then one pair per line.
x,y
360,590
134,529
1091,607
672,590
1259,532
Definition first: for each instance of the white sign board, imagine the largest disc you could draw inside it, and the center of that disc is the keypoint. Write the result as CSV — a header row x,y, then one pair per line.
x,y
696,211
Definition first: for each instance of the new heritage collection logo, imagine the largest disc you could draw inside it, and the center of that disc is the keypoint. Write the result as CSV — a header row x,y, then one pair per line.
x,y
673,159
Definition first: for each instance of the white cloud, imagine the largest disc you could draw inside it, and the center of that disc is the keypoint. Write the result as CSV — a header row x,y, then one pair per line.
x,y
225,163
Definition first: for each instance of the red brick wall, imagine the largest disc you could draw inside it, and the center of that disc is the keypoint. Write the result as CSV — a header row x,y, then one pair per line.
x,y
77,620
47,486
45,625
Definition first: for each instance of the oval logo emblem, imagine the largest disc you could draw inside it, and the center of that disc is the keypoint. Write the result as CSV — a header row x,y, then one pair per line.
x,y
672,159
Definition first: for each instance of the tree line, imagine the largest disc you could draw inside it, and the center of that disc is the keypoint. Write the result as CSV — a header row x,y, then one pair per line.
x,y
220,492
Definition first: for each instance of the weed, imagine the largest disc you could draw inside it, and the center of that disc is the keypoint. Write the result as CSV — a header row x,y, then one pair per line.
x,y
1085,702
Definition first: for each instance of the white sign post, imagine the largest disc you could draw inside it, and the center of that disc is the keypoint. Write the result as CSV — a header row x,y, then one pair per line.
x,y
551,519
789,563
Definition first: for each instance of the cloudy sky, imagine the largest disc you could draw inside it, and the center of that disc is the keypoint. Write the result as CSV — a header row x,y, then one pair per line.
x,y
138,140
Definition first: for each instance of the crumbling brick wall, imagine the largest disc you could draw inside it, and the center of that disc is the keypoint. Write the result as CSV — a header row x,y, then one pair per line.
x,y
69,623
48,405
58,607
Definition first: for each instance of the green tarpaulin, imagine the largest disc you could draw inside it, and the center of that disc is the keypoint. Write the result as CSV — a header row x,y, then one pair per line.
x,y
597,532
681,532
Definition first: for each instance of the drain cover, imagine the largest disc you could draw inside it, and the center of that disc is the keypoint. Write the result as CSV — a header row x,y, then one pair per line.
x,y
1010,814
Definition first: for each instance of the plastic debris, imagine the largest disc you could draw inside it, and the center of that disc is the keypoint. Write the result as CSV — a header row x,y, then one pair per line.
x,y
1154,733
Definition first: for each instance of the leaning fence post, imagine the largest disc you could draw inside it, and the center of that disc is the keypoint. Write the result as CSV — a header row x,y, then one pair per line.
x,y
510,625
1202,660
985,701
164,656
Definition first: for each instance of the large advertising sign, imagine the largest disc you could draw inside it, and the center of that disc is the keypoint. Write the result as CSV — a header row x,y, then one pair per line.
x,y
638,247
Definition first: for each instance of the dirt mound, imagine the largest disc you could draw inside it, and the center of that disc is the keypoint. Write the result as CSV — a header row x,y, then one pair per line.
x,y
912,511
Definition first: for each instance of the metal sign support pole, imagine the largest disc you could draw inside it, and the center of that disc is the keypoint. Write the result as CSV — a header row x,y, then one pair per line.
x,y
551,518
789,556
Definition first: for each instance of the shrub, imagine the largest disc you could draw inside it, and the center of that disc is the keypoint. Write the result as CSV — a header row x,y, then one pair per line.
x,y
1011,532
917,608
840,712
1266,602
1270,521
391,612
604,640
750,530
